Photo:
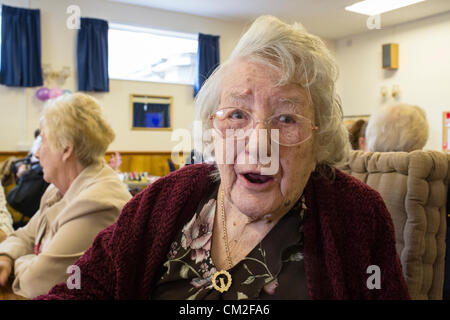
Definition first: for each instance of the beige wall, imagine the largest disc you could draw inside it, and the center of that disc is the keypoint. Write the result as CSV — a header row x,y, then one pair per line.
x,y
19,109
331,45
423,74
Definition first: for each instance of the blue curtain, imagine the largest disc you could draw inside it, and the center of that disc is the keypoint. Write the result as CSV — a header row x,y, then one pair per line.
x,y
21,47
207,59
92,55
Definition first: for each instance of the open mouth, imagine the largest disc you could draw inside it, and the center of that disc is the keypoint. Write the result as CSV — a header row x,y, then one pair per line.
x,y
257,178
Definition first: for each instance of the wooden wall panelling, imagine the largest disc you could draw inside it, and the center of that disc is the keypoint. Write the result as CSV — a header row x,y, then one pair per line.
x,y
155,163
17,154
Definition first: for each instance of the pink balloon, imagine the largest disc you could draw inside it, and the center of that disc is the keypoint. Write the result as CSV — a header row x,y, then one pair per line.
x,y
54,93
43,94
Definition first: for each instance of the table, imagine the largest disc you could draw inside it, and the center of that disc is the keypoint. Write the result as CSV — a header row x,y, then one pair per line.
x,y
135,186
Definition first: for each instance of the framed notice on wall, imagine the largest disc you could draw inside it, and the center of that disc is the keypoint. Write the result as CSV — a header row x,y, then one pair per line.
x,y
446,131
150,112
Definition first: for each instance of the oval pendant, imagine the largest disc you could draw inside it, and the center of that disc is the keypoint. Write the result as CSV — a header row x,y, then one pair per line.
x,y
223,286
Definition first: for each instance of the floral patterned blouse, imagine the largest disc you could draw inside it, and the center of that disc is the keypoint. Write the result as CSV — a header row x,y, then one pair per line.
x,y
274,269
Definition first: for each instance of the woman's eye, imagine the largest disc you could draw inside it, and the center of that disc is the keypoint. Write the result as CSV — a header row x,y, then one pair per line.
x,y
237,115
286,119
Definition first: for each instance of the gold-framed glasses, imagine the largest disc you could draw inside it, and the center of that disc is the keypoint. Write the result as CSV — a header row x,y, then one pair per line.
x,y
293,129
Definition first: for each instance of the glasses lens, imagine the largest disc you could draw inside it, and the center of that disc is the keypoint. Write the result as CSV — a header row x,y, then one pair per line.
x,y
292,128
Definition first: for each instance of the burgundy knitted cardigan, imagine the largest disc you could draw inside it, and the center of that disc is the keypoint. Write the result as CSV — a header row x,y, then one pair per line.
x,y
346,229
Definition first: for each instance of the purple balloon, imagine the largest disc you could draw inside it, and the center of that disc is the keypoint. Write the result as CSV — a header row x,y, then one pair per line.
x,y
54,93
43,94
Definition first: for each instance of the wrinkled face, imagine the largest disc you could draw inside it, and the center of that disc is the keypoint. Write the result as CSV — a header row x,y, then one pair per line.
x,y
252,87
50,160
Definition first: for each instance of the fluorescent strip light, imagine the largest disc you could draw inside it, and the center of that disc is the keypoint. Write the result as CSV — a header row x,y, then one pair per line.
x,y
374,7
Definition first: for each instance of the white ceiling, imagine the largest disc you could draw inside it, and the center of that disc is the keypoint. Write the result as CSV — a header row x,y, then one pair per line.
x,y
326,18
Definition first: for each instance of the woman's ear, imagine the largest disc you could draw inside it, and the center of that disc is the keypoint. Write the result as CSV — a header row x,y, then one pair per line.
x,y
68,152
362,143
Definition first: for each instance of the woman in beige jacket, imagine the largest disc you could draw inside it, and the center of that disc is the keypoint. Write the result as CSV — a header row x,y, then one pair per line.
x,y
85,196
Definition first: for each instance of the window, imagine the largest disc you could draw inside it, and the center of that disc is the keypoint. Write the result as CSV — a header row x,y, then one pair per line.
x,y
151,55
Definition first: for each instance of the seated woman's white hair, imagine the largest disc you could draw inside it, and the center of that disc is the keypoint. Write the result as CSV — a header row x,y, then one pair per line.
x,y
400,127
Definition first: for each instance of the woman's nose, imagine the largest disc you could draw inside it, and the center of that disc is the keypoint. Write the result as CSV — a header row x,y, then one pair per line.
x,y
259,138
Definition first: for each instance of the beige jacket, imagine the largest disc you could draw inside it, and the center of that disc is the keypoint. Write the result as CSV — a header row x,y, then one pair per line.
x,y
65,228
6,222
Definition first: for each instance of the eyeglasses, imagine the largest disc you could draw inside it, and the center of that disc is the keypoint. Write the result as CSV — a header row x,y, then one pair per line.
x,y
293,129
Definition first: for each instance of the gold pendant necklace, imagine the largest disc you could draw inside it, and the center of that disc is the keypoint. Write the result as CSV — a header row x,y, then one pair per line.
x,y
223,286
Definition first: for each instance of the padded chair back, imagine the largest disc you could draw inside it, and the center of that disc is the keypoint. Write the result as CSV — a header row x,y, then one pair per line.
x,y
414,187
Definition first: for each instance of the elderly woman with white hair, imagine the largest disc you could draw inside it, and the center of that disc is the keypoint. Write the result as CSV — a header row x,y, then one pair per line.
x,y
85,196
292,227
400,127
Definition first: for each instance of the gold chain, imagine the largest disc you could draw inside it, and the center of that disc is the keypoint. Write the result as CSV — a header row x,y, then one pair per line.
x,y
223,286
225,234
